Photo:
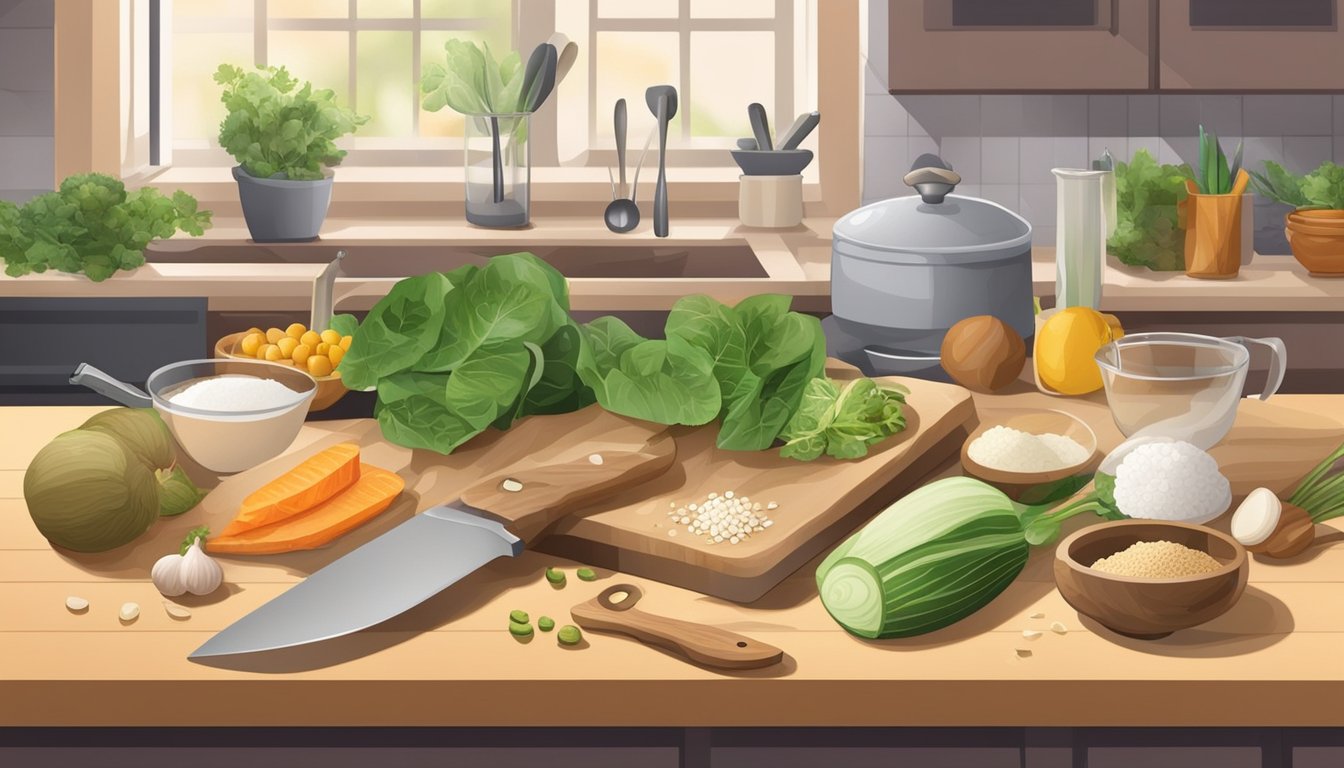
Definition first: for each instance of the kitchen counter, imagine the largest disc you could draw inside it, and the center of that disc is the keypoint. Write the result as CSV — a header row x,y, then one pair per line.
x,y
1273,660
793,261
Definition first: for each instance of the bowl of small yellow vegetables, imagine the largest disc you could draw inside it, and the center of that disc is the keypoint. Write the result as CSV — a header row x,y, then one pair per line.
x,y
317,353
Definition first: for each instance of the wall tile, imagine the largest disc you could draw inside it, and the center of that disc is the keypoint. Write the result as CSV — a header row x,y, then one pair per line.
x,y
1070,152
1044,234
28,163
1107,115
873,82
884,164
1037,158
968,190
1304,153
1003,194
26,60
27,14
999,158
1048,757
1038,116
1221,114
865,757
916,146
1002,115
963,154
27,113
1258,149
1339,115
884,116
1318,757
1068,115
1178,115
1118,145
1288,115
1036,203
1178,149
1339,150
943,115
1143,115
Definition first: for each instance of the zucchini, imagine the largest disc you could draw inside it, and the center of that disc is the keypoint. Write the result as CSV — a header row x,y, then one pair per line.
x,y
933,558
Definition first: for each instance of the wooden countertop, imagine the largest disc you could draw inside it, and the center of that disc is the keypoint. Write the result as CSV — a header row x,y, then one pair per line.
x,y
1271,661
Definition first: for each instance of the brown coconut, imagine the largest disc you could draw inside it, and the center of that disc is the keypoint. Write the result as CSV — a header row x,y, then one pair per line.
x,y
983,353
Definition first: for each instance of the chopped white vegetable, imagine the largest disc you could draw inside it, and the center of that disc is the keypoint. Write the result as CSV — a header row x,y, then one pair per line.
x,y
511,485
595,458
176,611
1031,634
1257,518
76,604
772,505
129,612
1037,615
1058,628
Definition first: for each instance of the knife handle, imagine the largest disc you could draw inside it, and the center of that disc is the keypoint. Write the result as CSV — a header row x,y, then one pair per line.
x,y
528,501
701,643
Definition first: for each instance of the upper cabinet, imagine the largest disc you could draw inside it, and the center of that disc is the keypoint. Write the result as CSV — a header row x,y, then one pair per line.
x,y
1247,45
1022,45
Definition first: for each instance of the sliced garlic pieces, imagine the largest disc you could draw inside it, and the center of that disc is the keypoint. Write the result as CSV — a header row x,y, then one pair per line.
x,y
129,612
76,604
175,610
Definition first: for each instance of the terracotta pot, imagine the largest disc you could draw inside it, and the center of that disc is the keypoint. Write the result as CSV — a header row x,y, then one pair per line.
x,y
1213,235
1317,241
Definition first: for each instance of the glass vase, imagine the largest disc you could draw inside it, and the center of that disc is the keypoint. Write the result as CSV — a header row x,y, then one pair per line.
x,y
497,160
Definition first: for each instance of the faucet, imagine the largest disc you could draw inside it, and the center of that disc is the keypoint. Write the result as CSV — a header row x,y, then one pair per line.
x,y
323,287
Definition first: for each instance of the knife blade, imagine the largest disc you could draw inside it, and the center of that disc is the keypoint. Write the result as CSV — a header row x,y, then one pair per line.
x,y
425,555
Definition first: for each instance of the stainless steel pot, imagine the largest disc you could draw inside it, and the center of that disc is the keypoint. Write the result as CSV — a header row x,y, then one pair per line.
x,y
905,270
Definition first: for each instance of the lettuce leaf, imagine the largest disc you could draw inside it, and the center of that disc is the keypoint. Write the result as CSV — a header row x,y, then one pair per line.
x,y
842,419
1148,232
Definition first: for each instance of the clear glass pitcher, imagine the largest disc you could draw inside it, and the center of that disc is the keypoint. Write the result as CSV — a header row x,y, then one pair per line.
x,y
1084,218
497,159
1182,385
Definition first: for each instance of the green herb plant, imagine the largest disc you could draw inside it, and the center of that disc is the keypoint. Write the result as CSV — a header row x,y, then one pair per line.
x,y
279,128
1322,189
92,225
471,82
1213,175
1148,232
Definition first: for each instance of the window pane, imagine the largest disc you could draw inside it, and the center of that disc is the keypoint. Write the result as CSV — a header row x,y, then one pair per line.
x,y
385,9
638,9
322,58
197,111
226,9
627,63
718,103
307,9
465,9
383,83
737,9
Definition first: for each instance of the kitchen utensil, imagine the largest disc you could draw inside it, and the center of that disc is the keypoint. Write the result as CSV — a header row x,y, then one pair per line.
x,y
1106,162
775,162
1148,609
1182,385
397,571
1080,236
760,126
905,270
819,501
1021,485
566,53
614,611
539,76
324,286
770,201
747,144
900,362
1217,238
662,101
800,130
224,442
622,213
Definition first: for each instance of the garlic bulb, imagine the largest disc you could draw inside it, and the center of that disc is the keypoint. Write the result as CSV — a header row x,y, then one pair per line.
x,y
194,572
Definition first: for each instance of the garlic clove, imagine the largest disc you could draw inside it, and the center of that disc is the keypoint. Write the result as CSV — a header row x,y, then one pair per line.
x,y
176,611
167,575
129,612
76,604
200,574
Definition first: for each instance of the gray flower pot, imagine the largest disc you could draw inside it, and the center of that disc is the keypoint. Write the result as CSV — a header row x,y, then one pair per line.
x,y
282,210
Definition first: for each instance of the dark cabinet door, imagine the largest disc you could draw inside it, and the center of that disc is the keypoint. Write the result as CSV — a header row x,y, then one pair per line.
x,y
1023,45
1249,45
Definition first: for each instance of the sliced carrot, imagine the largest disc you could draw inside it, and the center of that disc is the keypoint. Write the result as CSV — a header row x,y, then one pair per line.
x,y
319,478
319,526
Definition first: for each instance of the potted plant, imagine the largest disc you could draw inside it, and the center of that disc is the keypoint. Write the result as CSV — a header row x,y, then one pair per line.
x,y
1215,244
1149,231
281,133
1315,227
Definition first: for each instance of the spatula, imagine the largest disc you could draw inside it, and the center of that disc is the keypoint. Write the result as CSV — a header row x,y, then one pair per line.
x,y
662,101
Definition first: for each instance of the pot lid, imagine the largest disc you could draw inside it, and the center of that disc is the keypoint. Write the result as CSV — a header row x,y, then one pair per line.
x,y
934,221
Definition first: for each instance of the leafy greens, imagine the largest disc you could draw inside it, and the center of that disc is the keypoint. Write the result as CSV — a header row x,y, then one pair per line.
x,y
91,224
1323,188
842,419
471,82
1148,231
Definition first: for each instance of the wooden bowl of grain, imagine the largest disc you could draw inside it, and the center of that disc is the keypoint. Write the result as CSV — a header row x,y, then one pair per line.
x,y
1149,607
1027,486
329,388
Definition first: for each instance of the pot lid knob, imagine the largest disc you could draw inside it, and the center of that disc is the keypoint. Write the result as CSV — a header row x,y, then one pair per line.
x,y
933,184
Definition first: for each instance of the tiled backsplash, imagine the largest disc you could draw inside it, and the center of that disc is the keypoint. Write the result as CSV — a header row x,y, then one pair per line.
x,y
27,144
1005,145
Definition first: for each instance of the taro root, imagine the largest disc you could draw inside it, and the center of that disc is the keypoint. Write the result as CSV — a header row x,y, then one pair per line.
x,y
983,353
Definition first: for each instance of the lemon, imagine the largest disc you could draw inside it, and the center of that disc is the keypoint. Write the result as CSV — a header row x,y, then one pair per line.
x,y
1066,348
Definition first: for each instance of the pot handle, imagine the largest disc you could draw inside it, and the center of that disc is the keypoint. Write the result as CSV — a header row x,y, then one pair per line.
x,y
88,376
1278,363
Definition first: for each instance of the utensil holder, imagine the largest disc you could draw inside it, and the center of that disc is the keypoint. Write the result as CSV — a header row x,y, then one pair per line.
x,y
498,170
770,201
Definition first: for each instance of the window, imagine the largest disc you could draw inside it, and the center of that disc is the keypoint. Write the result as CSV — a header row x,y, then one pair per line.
x,y
371,51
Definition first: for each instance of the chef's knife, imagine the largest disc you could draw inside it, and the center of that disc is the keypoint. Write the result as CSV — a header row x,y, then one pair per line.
x,y
428,553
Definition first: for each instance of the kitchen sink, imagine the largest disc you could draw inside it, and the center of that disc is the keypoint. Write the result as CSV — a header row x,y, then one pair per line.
x,y
394,259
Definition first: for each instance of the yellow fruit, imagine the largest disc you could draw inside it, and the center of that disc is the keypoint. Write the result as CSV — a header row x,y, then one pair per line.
x,y
319,366
345,342
300,354
273,335
295,330
310,339
1066,348
336,354
253,330
271,352
251,343
321,348
331,337
287,346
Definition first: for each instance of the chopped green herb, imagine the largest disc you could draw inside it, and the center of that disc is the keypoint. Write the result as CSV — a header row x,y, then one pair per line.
x,y
555,576
545,623
587,574
569,635
518,629
519,617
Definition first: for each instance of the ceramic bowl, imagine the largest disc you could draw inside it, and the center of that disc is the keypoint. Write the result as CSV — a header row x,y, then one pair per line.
x,y
772,162
1148,609
330,389
1020,486
1317,241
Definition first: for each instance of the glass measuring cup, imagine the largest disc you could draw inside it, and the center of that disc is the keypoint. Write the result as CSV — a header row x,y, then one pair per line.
x,y
1184,386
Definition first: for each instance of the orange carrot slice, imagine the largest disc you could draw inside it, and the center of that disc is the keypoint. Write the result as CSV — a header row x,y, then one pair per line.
x,y
319,526
319,478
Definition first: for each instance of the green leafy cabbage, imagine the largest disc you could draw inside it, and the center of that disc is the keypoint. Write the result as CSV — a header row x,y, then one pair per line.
x,y
1148,231
278,128
471,82
842,419
92,225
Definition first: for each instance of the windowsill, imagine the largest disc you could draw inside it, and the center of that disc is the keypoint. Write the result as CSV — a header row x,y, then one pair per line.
x,y
435,184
